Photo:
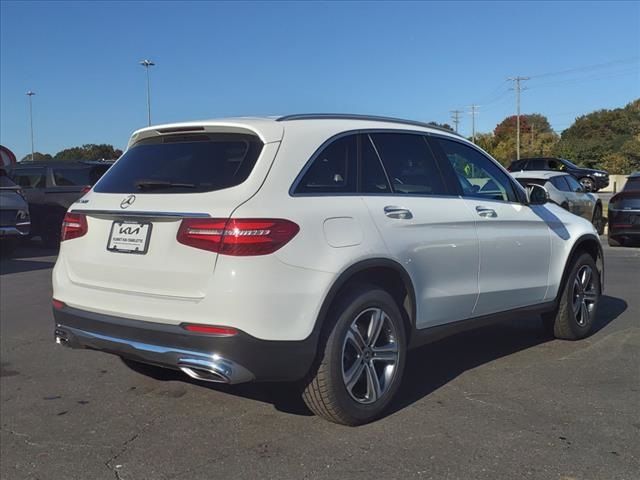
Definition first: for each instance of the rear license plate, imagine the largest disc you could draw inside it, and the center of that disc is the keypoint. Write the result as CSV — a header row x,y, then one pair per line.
x,y
129,237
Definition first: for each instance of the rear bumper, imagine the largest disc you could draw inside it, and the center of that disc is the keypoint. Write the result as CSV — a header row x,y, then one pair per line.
x,y
236,359
17,231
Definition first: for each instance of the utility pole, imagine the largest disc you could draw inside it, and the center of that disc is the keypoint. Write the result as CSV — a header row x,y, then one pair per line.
x,y
474,110
146,64
31,94
518,88
455,117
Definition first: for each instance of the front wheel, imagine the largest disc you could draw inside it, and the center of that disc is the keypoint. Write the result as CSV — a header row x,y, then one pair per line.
x,y
578,302
361,358
598,220
588,184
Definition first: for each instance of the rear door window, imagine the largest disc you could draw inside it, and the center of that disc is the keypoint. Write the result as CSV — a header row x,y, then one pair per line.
x,y
183,164
537,164
409,163
334,169
30,177
64,177
560,183
574,185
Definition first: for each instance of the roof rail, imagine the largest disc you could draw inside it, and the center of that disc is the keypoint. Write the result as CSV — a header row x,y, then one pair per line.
x,y
353,116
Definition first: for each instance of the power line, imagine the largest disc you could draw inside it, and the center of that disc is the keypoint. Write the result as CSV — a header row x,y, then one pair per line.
x,y
455,118
517,81
588,67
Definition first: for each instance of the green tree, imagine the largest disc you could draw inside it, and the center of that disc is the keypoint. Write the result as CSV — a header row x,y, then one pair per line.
x,y
441,125
600,134
37,156
89,152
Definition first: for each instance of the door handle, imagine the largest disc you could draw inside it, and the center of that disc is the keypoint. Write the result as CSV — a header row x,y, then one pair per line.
x,y
398,212
486,212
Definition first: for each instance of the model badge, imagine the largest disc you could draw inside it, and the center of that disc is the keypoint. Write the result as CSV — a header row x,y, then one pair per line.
x,y
128,201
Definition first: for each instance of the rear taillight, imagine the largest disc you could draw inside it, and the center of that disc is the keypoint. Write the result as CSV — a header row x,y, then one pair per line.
x,y
57,304
210,329
74,225
238,237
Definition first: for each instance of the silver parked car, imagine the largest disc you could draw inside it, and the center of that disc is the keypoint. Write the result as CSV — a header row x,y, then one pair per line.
x,y
567,192
14,213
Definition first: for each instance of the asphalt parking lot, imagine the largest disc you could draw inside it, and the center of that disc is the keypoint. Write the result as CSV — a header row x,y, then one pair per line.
x,y
503,402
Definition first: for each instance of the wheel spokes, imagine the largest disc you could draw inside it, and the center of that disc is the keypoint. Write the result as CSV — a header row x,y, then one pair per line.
x,y
373,383
353,375
375,327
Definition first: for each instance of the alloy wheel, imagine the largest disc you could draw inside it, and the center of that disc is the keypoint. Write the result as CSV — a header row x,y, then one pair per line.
x,y
584,295
370,356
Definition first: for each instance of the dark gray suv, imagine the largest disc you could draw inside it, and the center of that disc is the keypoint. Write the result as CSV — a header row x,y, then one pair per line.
x,y
50,188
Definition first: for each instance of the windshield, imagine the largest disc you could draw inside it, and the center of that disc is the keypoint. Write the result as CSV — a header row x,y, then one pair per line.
x,y
572,165
632,185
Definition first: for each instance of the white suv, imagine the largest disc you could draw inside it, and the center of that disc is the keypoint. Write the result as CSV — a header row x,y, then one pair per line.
x,y
312,248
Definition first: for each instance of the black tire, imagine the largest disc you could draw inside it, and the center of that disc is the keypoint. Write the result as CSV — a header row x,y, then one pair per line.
x,y
588,184
566,323
325,391
598,220
614,242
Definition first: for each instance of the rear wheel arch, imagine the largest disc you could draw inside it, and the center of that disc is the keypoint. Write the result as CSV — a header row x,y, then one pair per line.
x,y
381,272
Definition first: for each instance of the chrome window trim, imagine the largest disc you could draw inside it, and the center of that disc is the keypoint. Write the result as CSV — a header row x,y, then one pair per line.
x,y
141,214
361,131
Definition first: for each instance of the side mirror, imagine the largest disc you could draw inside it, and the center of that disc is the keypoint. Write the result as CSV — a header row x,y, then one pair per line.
x,y
537,194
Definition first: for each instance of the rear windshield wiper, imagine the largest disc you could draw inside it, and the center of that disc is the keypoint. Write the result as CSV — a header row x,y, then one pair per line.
x,y
159,184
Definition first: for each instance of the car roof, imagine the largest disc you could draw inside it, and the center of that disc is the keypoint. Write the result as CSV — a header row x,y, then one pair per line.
x,y
539,174
271,129
634,174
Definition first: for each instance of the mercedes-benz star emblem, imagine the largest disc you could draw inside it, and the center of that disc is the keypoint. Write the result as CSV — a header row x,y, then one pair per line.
x,y
128,201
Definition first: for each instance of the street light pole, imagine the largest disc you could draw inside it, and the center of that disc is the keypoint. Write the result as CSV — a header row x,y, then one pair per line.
x,y
146,64
31,94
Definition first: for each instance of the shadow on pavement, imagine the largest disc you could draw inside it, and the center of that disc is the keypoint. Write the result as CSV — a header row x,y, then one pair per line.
x,y
428,368
23,258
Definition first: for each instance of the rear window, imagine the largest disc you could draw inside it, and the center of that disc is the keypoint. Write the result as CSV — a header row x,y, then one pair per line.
x,y
183,164
527,181
69,176
632,185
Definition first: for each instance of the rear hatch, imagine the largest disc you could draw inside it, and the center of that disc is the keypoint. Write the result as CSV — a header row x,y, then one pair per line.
x,y
123,235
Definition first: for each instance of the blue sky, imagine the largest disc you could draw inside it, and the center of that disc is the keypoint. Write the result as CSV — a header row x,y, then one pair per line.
x,y
414,60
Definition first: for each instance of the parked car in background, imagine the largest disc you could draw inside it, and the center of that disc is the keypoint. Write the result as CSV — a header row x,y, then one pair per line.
x,y
565,190
14,213
312,248
624,213
592,180
51,187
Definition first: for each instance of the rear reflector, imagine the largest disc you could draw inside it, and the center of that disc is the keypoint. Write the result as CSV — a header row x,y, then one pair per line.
x,y
210,330
57,304
238,237
74,225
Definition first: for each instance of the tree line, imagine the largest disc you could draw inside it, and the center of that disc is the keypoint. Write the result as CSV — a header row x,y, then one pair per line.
x,y
606,139
88,151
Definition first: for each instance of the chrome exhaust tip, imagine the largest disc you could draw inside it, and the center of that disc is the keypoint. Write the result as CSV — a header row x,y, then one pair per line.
x,y
61,337
204,374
